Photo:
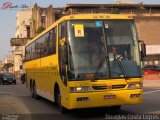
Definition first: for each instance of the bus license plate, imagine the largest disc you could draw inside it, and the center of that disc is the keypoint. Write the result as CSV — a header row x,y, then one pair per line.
x,y
109,96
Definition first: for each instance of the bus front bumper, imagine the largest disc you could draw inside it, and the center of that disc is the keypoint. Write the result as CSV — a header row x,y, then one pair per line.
x,y
106,98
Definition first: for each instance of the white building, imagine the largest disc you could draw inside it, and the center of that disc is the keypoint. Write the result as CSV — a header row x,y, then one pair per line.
x,y
8,64
23,20
1,67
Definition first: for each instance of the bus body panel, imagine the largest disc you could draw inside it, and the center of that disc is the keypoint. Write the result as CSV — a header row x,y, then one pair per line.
x,y
45,72
96,99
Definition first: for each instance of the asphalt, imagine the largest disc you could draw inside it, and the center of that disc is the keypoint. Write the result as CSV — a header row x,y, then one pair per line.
x,y
16,99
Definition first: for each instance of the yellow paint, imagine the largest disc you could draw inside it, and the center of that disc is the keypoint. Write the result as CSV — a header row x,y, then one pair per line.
x,y
84,17
96,99
45,72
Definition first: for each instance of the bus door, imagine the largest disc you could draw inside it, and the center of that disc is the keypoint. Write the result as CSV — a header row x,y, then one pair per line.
x,y
63,60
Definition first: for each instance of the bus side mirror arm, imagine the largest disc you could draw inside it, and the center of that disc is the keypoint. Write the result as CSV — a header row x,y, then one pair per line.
x,y
142,49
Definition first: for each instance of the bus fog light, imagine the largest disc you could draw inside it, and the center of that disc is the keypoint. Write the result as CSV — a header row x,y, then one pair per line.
x,y
80,89
134,95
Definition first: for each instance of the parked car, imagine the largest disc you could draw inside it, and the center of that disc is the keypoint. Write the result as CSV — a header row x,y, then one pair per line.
x,y
7,78
151,70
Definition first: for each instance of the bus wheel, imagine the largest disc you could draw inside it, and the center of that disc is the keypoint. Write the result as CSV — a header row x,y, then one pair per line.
x,y
118,107
34,93
58,101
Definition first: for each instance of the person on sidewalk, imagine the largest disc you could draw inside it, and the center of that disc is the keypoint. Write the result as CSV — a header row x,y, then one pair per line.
x,y
23,78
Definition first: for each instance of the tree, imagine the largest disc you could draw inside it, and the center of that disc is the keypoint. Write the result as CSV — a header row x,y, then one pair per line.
x,y
40,29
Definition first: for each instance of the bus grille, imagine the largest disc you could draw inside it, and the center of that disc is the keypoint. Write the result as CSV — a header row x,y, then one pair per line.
x,y
118,86
99,87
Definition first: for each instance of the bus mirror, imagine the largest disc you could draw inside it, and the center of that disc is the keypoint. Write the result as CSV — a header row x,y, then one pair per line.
x,y
142,50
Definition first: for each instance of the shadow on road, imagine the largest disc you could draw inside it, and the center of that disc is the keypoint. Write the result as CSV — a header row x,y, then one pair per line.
x,y
43,109
81,114
91,113
97,113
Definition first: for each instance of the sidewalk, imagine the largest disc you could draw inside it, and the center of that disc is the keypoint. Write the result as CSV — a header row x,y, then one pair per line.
x,y
151,77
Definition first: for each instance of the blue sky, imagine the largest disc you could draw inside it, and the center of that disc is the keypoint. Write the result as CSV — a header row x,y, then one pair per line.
x,y
8,17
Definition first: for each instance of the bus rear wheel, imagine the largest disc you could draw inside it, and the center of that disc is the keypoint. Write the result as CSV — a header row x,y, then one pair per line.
x,y
58,102
33,91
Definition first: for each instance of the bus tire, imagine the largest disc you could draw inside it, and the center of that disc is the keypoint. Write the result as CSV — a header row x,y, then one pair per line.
x,y
117,107
34,93
58,102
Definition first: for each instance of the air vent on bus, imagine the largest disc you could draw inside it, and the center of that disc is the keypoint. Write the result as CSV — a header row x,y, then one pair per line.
x,y
118,86
99,87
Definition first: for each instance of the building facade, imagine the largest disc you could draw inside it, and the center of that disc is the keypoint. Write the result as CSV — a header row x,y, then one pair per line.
x,y
23,31
29,21
147,18
2,69
44,17
23,20
8,64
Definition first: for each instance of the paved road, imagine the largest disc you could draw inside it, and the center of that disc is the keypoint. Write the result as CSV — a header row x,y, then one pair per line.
x,y
15,99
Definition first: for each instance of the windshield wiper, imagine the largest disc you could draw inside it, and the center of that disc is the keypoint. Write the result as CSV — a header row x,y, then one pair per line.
x,y
98,68
121,67
101,64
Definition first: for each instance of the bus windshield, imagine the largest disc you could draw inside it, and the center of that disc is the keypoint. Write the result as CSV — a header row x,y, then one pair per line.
x,y
123,49
87,49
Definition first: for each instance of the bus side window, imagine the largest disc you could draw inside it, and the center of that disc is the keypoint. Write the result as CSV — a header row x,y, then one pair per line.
x,y
61,30
52,42
27,53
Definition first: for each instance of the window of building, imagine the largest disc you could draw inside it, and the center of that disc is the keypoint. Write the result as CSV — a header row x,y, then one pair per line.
x,y
28,31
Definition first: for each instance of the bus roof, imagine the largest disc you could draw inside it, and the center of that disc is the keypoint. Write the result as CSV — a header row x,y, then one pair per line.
x,y
82,17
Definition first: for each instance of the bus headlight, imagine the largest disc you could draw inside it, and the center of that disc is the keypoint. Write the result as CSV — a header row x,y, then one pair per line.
x,y
135,85
80,89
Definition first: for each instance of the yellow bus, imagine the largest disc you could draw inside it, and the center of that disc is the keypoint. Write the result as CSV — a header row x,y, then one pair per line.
x,y
85,61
